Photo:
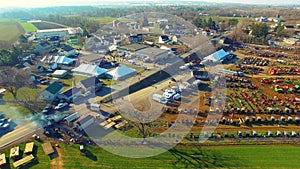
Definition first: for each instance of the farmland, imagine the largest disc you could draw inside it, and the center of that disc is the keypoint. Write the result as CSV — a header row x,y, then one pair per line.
x,y
12,31
47,25
28,27
103,20
182,156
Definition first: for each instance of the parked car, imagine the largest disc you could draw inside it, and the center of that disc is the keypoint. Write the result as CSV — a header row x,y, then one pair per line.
x,y
45,82
5,125
60,105
47,109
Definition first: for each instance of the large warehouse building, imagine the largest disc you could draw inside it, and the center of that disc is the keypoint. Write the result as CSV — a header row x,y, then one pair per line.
x,y
61,32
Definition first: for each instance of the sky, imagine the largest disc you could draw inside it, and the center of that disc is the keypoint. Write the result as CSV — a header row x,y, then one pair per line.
x,y
45,3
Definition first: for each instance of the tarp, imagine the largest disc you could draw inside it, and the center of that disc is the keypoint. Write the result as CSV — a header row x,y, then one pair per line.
x,y
122,72
63,60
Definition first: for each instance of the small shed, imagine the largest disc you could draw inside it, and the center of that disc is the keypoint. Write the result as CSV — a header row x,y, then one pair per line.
x,y
23,161
60,73
14,152
85,122
278,134
205,134
297,119
269,134
72,117
240,134
259,119
29,147
2,160
294,134
81,148
48,149
247,119
286,134
272,118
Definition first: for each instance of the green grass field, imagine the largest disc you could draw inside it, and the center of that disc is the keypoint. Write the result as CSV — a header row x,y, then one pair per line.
x,y
10,30
103,20
28,27
249,156
279,156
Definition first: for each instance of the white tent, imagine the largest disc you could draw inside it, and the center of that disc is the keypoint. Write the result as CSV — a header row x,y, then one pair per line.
x,y
122,72
89,70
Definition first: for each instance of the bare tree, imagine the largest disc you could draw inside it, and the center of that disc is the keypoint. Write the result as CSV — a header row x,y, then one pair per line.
x,y
143,121
13,79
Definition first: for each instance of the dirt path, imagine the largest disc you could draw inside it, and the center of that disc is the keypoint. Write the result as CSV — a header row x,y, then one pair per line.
x,y
57,163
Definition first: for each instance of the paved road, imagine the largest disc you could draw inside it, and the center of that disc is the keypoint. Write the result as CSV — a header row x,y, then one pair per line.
x,y
17,134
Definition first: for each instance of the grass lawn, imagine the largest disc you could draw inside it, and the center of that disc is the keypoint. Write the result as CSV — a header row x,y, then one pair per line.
x,y
241,156
109,82
28,27
41,160
69,79
250,156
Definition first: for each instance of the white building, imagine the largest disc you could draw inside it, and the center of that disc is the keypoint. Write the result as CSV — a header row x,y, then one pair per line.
x,y
52,91
61,32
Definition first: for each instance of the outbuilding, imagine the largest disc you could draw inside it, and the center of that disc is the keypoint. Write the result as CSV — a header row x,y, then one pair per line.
x,y
153,54
52,91
85,122
60,73
70,94
72,117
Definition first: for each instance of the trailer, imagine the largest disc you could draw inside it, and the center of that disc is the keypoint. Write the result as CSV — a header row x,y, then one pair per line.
x,y
234,73
159,98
